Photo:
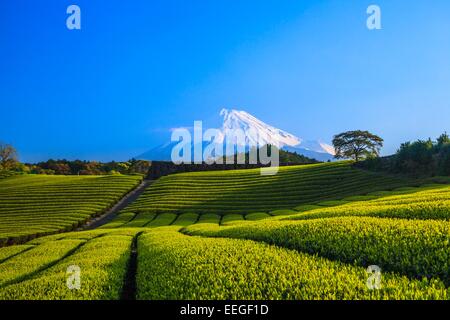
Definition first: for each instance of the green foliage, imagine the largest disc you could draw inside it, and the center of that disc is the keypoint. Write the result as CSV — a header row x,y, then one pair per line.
x,y
284,156
163,219
175,266
306,207
424,203
140,220
5,174
294,158
359,198
414,248
246,191
34,260
257,216
331,203
36,205
283,212
8,156
185,219
102,263
418,158
79,167
415,156
209,218
226,219
120,220
443,160
357,145
307,233
443,139
8,252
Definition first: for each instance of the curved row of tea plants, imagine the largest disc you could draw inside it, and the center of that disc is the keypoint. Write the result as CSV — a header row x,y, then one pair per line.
x,y
412,247
6,174
36,205
175,266
429,202
247,191
150,219
426,202
42,270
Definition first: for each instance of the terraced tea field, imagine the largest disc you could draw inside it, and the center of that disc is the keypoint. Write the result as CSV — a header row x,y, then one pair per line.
x,y
229,196
35,205
101,257
247,191
315,244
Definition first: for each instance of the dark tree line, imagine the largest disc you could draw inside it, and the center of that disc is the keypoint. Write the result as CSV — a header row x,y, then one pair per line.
x,y
79,167
421,157
283,156
9,163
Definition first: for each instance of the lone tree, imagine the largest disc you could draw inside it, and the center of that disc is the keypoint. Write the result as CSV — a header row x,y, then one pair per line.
x,y
357,145
8,156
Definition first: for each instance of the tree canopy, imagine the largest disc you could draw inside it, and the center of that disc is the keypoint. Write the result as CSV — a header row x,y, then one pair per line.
x,y
418,158
8,156
357,145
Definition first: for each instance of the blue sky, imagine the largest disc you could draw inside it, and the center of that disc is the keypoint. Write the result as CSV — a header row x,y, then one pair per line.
x,y
138,68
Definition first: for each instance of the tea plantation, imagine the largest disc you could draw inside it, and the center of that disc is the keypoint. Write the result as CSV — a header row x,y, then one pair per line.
x,y
35,205
309,232
247,191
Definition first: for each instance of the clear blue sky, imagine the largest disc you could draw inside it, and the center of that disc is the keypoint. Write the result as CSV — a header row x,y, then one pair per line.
x,y
138,68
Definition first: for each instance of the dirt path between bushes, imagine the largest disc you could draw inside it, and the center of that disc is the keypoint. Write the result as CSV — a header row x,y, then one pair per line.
x,y
122,204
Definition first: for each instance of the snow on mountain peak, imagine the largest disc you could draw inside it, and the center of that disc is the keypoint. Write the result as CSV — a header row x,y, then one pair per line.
x,y
317,146
256,131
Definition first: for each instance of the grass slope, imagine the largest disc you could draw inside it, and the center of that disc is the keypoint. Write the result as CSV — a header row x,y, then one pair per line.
x,y
246,191
35,205
176,266
314,244
101,257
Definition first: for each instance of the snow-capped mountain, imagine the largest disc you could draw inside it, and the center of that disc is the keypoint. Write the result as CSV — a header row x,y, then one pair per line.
x,y
316,146
256,133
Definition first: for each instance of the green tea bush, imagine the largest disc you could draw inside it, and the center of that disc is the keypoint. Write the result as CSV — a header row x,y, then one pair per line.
x,y
102,263
209,218
231,218
36,205
257,216
425,203
241,191
186,219
140,220
120,220
162,219
175,266
411,247
34,260
285,212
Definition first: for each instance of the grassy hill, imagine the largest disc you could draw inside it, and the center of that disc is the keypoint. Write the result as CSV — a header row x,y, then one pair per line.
x,y
314,244
5,174
250,194
34,205
406,231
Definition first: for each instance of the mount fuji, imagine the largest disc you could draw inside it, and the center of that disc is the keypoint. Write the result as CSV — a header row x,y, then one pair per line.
x,y
256,133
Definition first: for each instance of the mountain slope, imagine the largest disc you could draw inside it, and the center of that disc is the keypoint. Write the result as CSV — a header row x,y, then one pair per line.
x,y
243,129
247,191
256,131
